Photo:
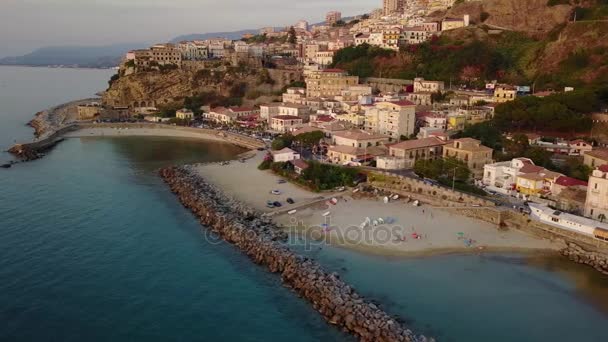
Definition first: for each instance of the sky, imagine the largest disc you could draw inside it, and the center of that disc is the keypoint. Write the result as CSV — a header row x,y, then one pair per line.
x,y
28,24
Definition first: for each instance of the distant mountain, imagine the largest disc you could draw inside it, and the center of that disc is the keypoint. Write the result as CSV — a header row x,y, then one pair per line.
x,y
235,35
74,56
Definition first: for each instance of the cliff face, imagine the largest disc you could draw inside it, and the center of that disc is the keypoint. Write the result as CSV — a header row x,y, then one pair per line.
x,y
533,17
157,88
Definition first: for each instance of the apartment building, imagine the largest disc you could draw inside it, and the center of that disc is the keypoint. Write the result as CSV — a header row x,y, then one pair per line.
x,y
166,54
285,123
405,154
421,85
393,119
332,17
471,152
504,94
329,83
358,138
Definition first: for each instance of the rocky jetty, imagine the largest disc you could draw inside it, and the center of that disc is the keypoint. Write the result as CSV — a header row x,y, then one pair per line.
x,y
24,152
579,255
264,243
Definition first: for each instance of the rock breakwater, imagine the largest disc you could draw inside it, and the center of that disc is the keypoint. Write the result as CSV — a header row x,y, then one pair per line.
x,y
579,255
266,245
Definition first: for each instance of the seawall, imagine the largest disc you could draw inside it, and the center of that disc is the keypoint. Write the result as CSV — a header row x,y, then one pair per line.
x,y
265,244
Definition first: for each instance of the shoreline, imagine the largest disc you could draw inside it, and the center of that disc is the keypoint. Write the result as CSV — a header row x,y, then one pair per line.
x,y
440,231
266,244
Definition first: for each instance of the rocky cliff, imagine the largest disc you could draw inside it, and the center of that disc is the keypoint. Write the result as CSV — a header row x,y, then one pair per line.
x,y
534,17
158,88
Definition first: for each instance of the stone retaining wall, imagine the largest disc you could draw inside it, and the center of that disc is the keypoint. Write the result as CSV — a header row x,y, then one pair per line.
x,y
433,194
264,243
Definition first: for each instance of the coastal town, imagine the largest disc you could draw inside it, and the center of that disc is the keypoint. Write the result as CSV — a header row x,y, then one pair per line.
x,y
443,128
416,128
323,114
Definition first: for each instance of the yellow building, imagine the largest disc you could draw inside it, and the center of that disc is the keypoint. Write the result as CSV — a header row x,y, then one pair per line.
x,y
536,183
329,83
529,184
457,122
471,152
596,158
504,94
184,114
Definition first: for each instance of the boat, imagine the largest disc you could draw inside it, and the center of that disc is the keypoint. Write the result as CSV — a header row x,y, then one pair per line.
x,y
395,197
385,199
416,203
291,212
355,191
334,201
326,214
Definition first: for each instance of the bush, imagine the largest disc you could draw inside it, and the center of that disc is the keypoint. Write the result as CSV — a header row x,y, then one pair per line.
x,y
321,176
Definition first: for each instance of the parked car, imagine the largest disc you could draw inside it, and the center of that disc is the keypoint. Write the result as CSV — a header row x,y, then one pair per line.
x,y
276,192
270,204
277,204
282,181
290,201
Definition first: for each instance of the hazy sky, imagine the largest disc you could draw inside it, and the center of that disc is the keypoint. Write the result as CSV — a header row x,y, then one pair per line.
x,y
28,24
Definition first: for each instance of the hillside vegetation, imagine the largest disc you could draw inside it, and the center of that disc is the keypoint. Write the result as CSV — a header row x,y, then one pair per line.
x,y
568,54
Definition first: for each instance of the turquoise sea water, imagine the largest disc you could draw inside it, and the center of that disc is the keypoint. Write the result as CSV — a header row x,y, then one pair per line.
x,y
94,248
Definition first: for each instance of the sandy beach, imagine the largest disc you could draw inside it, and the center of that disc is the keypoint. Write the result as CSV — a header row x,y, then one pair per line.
x,y
244,182
137,131
394,228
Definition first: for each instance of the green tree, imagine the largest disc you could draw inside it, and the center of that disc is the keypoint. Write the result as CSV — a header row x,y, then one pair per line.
x,y
309,139
283,141
540,157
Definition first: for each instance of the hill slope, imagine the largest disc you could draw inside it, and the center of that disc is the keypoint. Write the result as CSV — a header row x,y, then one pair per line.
x,y
80,56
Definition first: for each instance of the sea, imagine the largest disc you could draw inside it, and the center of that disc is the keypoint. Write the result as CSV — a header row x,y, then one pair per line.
x,y
94,247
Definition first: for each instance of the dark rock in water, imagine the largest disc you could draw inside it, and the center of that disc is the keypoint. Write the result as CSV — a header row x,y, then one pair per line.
x,y
264,243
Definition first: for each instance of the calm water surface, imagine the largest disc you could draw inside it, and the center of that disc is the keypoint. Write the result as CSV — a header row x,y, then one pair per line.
x,y
93,247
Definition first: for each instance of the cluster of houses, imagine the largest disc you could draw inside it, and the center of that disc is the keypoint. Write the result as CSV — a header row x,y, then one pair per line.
x,y
399,22
390,124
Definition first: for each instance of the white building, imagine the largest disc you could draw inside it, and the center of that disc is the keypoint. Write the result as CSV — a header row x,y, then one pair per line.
x,y
502,177
285,155
421,85
596,206
573,223
269,110
285,123
293,109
